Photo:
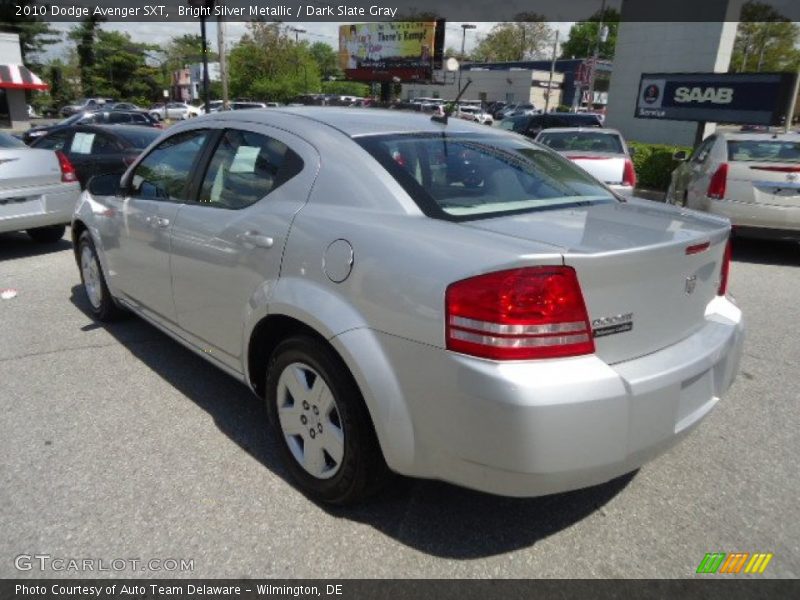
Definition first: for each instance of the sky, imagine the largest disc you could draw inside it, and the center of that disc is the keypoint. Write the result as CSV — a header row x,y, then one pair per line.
x,y
161,33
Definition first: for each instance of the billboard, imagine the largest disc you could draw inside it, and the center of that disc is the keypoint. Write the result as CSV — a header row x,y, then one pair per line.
x,y
395,51
747,98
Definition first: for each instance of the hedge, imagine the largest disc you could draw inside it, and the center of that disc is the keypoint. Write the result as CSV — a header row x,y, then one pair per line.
x,y
654,164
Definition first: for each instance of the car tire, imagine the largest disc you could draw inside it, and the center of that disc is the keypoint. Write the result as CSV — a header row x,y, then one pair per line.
x,y
325,432
47,235
101,303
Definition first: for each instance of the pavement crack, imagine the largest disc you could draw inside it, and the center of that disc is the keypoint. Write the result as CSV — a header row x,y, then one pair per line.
x,y
86,347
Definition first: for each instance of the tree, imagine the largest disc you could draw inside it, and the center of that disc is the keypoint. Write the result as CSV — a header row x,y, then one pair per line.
x,y
583,36
185,50
765,40
120,69
327,60
527,37
34,35
84,35
268,65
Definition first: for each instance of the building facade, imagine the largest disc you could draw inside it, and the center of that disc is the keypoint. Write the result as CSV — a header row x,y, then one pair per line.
x,y
15,79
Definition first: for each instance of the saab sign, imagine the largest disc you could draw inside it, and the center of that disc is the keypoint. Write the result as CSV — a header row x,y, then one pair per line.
x,y
755,98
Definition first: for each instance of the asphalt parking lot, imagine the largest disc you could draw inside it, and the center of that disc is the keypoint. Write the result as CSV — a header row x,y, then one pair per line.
x,y
117,442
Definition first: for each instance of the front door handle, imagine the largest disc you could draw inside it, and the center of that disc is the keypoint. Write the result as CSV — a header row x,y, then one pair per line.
x,y
256,239
161,222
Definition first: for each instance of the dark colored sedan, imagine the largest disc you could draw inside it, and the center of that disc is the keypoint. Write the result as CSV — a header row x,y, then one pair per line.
x,y
97,149
109,117
531,125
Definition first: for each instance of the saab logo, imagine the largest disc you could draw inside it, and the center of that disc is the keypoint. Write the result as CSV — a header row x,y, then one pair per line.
x,y
719,562
703,95
651,93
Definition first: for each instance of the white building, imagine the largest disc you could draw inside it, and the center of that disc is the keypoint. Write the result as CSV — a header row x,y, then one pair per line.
x,y
196,78
15,78
513,85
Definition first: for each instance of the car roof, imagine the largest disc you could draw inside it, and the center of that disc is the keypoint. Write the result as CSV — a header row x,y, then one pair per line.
x,y
353,122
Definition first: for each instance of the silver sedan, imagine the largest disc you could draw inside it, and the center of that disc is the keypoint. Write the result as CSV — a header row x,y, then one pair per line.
x,y
436,299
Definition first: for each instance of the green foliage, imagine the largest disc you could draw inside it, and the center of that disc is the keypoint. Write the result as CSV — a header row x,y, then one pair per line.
x,y
346,88
583,36
528,37
765,41
268,65
654,164
327,60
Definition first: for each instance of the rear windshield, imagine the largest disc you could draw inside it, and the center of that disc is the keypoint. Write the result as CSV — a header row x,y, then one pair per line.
x,y
7,141
763,151
468,176
582,141
138,137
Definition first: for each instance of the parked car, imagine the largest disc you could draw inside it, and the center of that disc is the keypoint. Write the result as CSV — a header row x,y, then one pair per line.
x,y
38,190
531,125
99,117
175,110
603,153
97,149
752,179
446,300
124,106
500,112
520,110
474,113
83,105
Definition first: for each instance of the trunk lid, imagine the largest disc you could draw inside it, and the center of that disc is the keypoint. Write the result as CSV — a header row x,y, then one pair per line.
x,y
27,167
608,168
765,183
645,270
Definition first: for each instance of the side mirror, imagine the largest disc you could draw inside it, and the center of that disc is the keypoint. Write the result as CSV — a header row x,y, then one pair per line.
x,y
107,184
680,155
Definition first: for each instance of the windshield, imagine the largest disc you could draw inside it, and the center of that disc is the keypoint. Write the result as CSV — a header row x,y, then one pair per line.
x,y
467,176
581,141
764,151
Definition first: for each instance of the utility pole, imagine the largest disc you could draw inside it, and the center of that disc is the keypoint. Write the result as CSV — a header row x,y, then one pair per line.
x,y
552,71
223,59
297,33
590,101
464,27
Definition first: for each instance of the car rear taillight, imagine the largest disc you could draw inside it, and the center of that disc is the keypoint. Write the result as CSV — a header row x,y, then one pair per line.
x,y
519,314
68,174
723,272
718,183
628,173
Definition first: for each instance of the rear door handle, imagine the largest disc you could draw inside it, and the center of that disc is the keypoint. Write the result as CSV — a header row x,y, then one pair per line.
x,y
256,239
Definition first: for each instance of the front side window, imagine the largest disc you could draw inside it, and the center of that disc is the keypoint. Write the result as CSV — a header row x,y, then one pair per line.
x,y
164,173
245,167
467,176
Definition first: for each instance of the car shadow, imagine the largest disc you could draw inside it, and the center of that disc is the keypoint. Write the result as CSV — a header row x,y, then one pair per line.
x,y
766,252
429,516
19,245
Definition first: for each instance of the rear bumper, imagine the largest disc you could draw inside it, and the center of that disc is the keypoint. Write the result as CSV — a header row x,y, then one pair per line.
x,y
756,216
52,205
534,428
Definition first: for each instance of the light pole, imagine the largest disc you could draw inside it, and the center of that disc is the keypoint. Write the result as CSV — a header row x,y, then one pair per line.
x,y
464,27
223,60
600,37
297,33
205,7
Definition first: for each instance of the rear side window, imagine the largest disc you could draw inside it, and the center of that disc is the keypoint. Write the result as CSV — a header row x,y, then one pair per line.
x,y
138,138
116,117
246,167
764,151
165,171
468,176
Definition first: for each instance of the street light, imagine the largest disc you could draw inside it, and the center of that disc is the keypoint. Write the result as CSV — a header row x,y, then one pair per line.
x,y
205,7
464,27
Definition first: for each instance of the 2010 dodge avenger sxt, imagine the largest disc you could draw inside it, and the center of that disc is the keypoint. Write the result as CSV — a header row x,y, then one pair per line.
x,y
441,300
